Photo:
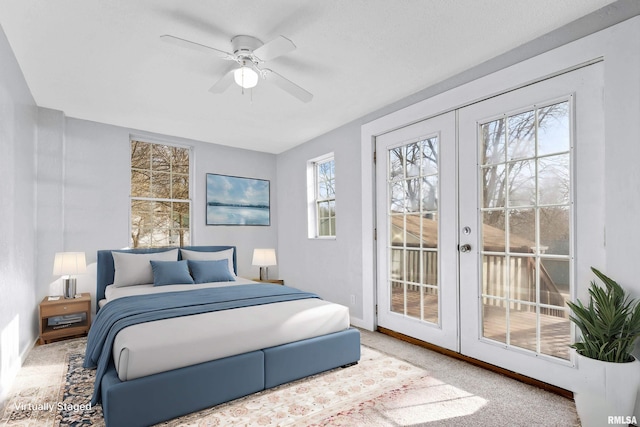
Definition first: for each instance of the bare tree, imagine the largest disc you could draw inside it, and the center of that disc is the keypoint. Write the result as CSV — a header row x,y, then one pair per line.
x,y
160,194
513,176
413,175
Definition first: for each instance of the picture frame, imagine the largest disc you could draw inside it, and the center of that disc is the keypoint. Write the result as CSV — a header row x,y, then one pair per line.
x,y
235,200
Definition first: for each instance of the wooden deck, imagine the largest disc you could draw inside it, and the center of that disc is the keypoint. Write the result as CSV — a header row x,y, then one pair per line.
x,y
555,332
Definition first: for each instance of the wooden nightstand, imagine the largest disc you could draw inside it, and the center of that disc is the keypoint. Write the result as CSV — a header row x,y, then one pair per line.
x,y
276,281
62,307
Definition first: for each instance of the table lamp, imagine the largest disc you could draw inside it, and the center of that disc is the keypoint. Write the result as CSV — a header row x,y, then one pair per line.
x,y
67,264
264,258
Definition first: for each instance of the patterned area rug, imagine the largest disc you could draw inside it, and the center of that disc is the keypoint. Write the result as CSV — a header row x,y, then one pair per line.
x,y
377,392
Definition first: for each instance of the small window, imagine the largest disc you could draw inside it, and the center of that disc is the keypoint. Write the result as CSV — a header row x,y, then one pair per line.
x,y
322,197
160,201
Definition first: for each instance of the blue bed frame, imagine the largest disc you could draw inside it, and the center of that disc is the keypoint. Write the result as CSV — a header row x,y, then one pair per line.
x,y
160,397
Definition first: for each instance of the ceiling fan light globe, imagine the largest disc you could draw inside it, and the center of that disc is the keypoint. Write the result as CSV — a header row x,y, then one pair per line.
x,y
245,77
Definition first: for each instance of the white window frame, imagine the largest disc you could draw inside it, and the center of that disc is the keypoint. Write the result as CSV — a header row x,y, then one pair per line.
x,y
191,186
313,198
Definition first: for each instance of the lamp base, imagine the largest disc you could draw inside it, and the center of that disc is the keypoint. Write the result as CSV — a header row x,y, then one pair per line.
x,y
264,273
69,288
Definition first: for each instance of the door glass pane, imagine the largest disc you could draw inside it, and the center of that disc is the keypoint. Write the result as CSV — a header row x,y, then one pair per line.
x,y
521,130
553,180
494,319
522,230
522,326
413,227
526,268
553,129
493,235
522,183
429,157
522,278
430,304
494,278
413,159
396,192
397,265
429,230
413,301
396,163
555,235
397,230
493,186
397,297
413,266
555,332
430,193
412,197
413,231
493,142
429,268
555,279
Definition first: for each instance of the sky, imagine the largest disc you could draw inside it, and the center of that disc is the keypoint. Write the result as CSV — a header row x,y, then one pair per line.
x,y
237,190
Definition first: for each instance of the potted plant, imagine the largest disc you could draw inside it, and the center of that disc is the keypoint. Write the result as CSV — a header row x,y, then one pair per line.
x,y
609,325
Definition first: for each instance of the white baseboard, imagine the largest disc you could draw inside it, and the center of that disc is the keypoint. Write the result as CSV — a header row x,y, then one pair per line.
x,y
359,323
11,374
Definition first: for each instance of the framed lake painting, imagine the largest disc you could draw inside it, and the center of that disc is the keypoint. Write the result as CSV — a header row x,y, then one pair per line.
x,y
233,200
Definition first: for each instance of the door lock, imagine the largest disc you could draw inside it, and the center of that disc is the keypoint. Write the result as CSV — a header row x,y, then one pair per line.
x,y
465,248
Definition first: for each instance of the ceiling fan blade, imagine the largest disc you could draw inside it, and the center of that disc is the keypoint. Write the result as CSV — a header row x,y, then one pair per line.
x,y
224,83
288,86
197,46
276,47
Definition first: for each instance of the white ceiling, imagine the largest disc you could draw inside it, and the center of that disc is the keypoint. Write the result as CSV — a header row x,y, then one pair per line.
x,y
103,60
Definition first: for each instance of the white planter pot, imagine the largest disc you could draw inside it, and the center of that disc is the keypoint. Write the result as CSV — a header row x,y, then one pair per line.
x,y
607,390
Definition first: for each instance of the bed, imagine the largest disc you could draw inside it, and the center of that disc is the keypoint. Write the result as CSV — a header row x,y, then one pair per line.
x,y
243,337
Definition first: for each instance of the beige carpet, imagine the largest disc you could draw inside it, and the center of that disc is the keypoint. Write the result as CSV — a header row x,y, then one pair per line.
x,y
396,384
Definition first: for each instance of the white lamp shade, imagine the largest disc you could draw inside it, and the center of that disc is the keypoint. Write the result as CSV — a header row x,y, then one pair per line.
x,y
69,263
245,77
264,257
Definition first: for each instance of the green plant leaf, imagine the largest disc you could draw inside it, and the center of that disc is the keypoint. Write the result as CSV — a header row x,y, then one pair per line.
x,y
609,324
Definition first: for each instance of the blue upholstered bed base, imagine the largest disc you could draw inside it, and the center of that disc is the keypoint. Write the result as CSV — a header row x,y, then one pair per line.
x,y
149,400
156,398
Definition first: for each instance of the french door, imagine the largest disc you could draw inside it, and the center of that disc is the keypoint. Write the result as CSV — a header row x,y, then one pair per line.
x,y
416,225
483,228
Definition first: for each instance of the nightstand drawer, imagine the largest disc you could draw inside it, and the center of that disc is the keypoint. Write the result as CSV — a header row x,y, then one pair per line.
x,y
63,308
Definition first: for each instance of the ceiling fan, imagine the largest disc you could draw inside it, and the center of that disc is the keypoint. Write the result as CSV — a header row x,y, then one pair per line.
x,y
249,55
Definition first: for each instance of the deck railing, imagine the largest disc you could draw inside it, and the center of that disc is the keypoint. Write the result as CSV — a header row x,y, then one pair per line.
x,y
521,280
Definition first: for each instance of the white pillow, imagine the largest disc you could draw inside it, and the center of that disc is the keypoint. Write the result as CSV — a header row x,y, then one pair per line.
x,y
210,256
135,269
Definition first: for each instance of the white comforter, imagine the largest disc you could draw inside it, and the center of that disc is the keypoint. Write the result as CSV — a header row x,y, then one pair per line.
x,y
153,347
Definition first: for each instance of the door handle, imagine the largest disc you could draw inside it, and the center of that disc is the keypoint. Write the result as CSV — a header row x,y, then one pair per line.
x,y
465,248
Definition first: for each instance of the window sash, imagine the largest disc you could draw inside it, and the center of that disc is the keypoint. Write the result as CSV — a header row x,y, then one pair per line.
x,y
160,190
325,196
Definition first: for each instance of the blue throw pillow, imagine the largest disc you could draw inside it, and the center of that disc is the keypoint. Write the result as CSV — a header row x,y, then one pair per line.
x,y
171,273
211,271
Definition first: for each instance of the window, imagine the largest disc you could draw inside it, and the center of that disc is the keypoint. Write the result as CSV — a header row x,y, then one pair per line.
x,y
160,203
322,197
